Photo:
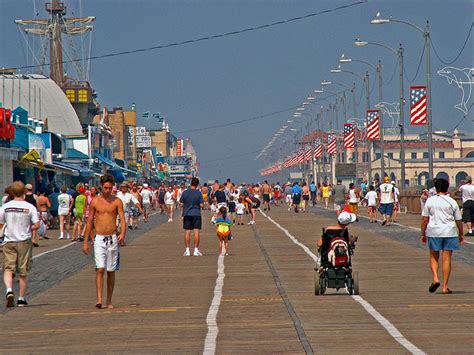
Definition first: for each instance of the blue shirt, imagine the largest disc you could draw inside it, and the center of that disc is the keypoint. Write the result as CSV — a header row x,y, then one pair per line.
x,y
191,200
312,187
296,190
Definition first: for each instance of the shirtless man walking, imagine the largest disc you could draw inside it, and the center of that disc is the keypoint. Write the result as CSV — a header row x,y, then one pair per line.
x,y
103,212
266,190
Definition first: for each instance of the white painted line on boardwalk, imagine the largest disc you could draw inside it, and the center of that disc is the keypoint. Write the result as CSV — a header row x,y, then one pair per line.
x,y
68,245
211,320
384,322
53,250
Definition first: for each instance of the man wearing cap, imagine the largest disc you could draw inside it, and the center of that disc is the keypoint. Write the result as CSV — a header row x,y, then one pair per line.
x,y
387,200
343,220
467,193
146,201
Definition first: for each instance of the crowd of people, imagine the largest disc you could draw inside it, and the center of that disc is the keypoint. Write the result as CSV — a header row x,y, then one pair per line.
x,y
100,216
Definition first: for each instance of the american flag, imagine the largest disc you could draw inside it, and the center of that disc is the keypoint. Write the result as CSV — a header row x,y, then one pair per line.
x,y
318,151
418,105
307,154
332,144
300,157
349,136
294,159
373,125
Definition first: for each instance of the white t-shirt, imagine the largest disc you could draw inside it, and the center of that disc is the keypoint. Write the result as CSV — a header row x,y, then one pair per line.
x,y
371,198
386,195
353,197
240,208
18,216
146,196
467,191
396,192
64,201
128,200
443,212
169,198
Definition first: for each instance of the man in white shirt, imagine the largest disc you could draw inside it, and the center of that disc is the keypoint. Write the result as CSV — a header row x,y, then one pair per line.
x,y
467,194
128,201
387,200
371,198
147,197
443,229
396,204
20,218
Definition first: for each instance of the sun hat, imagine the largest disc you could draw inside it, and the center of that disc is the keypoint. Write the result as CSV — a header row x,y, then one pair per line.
x,y
346,218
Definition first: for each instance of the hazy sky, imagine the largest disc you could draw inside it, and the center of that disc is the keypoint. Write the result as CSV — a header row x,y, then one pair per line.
x,y
255,73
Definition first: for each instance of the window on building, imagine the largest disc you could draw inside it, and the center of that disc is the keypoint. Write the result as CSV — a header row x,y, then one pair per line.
x,y
365,157
378,156
390,155
354,157
441,155
82,95
413,155
425,155
71,95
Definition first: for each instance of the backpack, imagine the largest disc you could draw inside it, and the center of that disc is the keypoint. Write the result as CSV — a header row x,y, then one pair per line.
x,y
222,230
338,254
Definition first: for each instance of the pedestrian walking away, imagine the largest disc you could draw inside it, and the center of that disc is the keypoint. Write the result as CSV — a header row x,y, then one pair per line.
x,y
64,210
103,213
20,219
340,193
387,200
192,203
467,195
147,200
443,230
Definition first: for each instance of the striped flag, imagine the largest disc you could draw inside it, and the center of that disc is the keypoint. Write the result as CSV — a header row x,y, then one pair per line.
x,y
307,154
300,157
332,144
146,115
349,136
373,125
318,151
418,105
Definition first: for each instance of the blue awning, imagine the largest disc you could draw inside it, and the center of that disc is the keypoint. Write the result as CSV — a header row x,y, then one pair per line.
x,y
107,161
85,172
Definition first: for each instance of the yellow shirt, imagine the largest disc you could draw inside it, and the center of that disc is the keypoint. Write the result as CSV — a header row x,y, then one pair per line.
x,y
325,191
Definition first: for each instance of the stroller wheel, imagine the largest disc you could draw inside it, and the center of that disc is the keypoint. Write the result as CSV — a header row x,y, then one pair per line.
x,y
317,284
355,282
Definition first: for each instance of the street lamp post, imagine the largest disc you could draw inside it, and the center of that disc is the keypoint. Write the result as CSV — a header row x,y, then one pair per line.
x,y
399,54
382,150
426,38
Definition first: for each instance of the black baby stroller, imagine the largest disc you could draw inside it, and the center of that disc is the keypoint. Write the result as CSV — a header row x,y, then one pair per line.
x,y
334,267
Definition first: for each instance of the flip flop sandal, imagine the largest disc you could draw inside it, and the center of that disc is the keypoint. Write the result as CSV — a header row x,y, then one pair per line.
x,y
433,287
98,305
447,292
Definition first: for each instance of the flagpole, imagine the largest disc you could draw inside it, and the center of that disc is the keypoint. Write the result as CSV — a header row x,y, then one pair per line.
x,y
369,152
382,150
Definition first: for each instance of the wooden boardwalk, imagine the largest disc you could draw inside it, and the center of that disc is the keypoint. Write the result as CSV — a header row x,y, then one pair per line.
x,y
268,305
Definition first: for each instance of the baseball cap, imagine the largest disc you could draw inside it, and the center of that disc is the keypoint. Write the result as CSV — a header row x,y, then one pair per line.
x,y
468,178
392,182
386,179
82,190
346,218
145,185
29,187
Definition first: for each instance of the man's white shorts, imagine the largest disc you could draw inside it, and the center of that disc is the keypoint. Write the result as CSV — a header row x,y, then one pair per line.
x,y
106,252
289,199
146,207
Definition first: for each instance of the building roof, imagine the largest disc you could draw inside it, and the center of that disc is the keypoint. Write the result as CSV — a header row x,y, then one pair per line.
x,y
415,144
51,102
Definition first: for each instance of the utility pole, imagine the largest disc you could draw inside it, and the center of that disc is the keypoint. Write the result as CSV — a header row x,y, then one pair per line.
x,y
428,101
402,121
369,145
382,150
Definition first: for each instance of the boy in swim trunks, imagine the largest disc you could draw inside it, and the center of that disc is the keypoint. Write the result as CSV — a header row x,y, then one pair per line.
x,y
103,212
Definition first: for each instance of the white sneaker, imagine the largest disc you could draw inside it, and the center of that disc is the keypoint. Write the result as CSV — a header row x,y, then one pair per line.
x,y
169,220
187,253
197,252
68,236
61,237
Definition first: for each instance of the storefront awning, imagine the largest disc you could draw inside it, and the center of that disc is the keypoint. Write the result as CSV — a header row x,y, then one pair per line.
x,y
81,170
107,161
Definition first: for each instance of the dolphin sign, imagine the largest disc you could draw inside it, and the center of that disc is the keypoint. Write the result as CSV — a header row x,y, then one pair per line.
x,y
390,109
464,80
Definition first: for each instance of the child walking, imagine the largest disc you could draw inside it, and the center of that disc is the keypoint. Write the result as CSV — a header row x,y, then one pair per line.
x,y
223,223
240,209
